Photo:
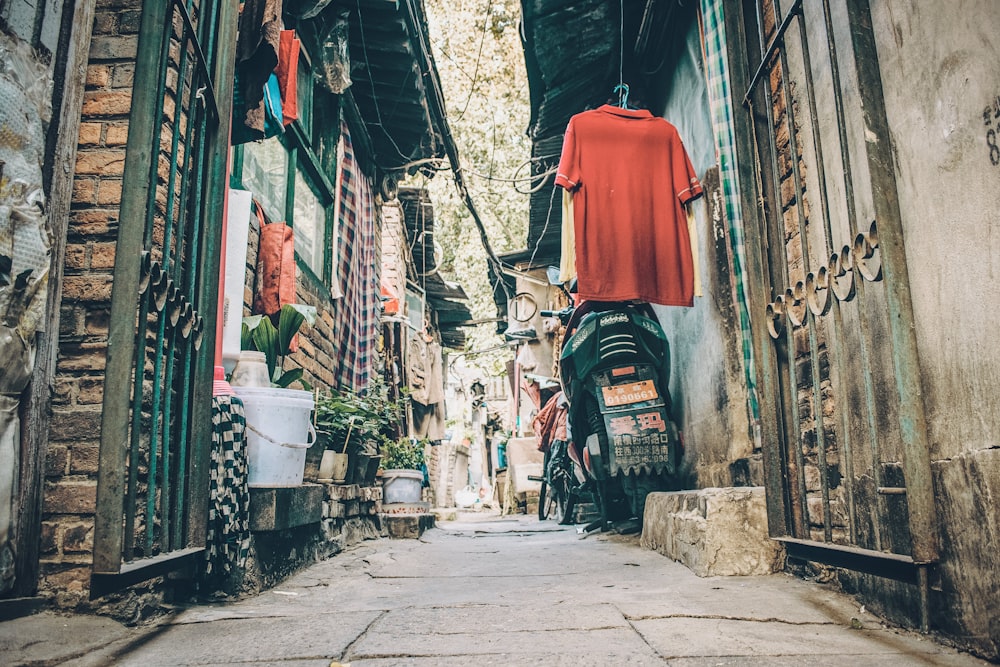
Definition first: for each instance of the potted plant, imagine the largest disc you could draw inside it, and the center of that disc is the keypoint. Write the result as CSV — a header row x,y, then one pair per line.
x,y
337,419
402,474
279,428
260,334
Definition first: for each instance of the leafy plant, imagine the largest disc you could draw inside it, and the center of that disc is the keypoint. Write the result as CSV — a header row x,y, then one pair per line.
x,y
259,333
365,419
403,454
337,418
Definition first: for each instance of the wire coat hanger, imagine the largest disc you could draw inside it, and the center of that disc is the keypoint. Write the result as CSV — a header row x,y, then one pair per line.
x,y
622,90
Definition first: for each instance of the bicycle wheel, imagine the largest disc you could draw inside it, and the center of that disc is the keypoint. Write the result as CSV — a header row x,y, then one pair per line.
x,y
543,502
565,497
544,496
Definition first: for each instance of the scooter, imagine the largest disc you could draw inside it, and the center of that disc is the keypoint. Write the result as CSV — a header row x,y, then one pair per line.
x,y
615,371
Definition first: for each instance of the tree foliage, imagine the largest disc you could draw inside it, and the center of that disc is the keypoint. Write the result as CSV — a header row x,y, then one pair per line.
x,y
477,48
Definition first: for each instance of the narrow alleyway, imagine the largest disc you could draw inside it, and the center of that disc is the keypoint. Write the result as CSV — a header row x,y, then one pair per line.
x,y
487,590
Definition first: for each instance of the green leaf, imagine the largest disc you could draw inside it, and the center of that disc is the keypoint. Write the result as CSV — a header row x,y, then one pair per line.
x,y
290,319
246,331
289,377
265,337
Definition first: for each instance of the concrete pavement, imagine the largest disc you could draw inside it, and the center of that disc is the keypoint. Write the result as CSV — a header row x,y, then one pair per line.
x,y
486,590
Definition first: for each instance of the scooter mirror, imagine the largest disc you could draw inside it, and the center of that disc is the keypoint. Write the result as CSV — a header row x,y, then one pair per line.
x,y
552,273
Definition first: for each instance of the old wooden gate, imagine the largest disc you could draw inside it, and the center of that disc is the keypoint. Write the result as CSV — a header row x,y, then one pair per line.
x,y
155,438
846,453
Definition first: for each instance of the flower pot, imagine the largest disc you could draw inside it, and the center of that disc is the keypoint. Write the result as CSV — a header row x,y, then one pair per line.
x,y
333,467
279,432
359,469
402,486
372,473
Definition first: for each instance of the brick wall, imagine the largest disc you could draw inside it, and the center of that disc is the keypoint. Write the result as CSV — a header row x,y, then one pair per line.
x,y
72,459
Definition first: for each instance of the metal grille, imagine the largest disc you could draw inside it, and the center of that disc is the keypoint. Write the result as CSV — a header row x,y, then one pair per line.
x,y
849,468
153,485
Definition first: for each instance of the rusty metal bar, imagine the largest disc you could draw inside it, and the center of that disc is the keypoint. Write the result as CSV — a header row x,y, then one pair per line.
x,y
810,323
906,362
776,42
796,489
221,27
751,194
140,154
852,220
180,412
844,435
890,566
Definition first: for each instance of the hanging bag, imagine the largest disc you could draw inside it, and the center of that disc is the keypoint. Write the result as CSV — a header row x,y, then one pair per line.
x,y
275,266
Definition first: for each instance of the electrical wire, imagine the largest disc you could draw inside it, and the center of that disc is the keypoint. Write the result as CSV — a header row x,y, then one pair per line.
x,y
475,75
371,80
545,228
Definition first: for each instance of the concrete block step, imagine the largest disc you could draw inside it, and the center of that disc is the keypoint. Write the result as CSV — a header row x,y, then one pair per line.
x,y
406,526
714,532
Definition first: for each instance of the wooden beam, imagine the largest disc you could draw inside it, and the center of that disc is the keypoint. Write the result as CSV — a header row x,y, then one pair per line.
x,y
70,76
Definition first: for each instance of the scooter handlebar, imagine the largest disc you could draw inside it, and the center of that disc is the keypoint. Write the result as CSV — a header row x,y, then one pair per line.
x,y
563,314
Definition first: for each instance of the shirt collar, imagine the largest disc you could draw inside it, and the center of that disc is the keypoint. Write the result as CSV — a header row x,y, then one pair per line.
x,y
625,113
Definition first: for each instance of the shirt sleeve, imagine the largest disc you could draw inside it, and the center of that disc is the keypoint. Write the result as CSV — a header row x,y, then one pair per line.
x,y
686,183
568,173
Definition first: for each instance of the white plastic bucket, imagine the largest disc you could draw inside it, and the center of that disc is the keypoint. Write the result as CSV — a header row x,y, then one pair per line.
x,y
279,431
401,486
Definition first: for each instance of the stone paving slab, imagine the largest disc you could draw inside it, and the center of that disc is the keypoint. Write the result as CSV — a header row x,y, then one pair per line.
x,y
592,659
232,641
710,637
621,643
505,592
49,637
539,616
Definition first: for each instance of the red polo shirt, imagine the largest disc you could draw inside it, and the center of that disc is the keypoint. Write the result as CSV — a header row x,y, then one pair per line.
x,y
630,177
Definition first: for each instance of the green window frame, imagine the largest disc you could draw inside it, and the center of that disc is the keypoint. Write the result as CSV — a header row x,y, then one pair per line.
x,y
286,175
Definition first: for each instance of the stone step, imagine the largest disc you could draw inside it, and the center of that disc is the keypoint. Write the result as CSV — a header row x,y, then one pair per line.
x,y
406,526
714,532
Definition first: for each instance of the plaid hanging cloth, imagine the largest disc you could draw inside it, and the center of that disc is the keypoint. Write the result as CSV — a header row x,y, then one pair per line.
x,y
356,313
228,541
720,101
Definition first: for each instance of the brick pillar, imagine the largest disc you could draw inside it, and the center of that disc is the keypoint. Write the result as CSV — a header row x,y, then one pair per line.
x,y
71,468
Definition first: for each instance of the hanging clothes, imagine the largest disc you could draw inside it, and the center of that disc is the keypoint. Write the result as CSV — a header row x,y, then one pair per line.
x,y
550,422
257,46
425,377
356,313
287,73
567,261
630,177
428,421
227,542
275,285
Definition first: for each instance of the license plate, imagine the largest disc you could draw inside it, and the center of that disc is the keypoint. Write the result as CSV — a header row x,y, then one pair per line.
x,y
626,394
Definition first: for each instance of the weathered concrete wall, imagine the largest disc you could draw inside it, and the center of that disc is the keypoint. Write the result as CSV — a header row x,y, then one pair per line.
x,y
942,97
710,397
942,93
